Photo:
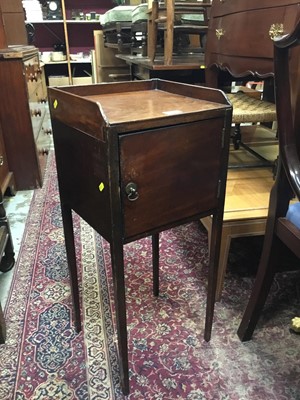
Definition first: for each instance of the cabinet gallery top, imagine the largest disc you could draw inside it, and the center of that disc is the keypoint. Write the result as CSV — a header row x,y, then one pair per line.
x,y
130,106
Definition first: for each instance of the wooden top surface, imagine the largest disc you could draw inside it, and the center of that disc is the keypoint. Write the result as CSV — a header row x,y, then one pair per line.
x,y
247,193
185,62
148,104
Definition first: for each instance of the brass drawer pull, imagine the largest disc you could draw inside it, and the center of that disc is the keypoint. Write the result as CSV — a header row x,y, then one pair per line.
x,y
275,31
1,161
219,33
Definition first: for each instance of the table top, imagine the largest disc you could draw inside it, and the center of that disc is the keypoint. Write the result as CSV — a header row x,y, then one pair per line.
x,y
151,104
184,62
136,105
247,193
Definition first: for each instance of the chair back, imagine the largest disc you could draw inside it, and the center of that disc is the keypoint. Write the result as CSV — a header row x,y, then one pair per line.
x,y
287,83
283,222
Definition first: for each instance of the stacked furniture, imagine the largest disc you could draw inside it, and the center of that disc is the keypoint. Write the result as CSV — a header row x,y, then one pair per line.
x,y
116,24
139,29
176,19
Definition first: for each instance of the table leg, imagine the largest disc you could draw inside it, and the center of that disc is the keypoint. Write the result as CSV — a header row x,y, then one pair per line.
x,y
215,242
169,33
2,327
71,258
155,261
117,258
152,31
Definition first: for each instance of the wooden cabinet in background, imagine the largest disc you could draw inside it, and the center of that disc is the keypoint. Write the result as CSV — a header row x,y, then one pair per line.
x,y
12,26
6,176
22,111
256,23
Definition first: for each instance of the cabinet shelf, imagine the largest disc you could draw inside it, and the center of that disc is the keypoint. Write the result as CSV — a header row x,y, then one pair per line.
x,y
61,21
77,36
75,21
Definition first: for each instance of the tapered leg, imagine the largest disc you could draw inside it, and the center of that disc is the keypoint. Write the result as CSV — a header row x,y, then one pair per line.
x,y
155,261
71,258
116,250
2,327
213,273
152,31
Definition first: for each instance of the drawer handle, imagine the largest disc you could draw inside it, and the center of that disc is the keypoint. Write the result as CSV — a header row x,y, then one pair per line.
x,y
220,33
131,191
275,31
1,161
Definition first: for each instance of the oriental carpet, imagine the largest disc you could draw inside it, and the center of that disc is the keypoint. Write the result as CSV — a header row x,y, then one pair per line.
x,y
44,358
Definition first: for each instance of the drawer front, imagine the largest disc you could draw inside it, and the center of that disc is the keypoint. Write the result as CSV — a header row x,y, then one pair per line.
x,y
37,114
33,75
44,141
253,51
172,181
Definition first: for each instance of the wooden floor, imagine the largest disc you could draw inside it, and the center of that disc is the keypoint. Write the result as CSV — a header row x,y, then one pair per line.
x,y
247,195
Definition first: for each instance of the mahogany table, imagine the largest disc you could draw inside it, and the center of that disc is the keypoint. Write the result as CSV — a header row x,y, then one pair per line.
x,y
187,68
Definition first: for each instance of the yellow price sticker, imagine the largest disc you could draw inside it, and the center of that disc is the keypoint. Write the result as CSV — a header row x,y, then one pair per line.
x,y
55,104
101,187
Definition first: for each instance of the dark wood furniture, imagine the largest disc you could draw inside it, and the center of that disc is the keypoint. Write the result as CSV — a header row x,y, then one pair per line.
x,y
7,182
134,172
139,34
184,69
12,26
117,35
240,48
7,259
240,38
280,231
22,111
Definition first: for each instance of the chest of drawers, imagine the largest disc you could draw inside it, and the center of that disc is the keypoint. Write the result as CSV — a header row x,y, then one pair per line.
x,y
23,108
241,33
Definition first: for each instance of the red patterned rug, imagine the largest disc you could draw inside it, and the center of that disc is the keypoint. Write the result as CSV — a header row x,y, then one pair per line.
x,y
45,359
